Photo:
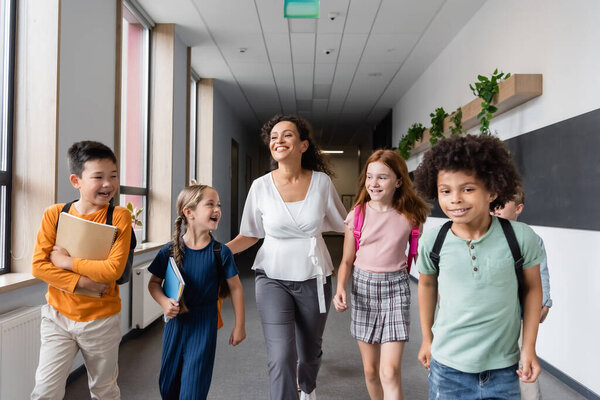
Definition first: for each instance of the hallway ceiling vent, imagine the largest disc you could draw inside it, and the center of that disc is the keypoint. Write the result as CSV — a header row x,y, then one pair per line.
x,y
301,8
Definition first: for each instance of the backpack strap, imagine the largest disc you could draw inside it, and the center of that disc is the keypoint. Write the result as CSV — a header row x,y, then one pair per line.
x,y
414,245
65,209
359,220
109,212
511,238
434,255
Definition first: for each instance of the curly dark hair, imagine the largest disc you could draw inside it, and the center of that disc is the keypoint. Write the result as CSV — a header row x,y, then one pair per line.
x,y
312,158
486,156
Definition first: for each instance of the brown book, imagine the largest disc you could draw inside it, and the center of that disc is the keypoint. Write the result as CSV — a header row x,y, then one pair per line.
x,y
85,239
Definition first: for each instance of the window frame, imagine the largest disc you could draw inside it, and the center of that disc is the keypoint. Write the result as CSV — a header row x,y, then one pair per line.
x,y
142,17
193,133
6,129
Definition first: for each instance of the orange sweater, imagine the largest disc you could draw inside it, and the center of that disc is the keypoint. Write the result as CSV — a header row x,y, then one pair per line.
x,y
61,283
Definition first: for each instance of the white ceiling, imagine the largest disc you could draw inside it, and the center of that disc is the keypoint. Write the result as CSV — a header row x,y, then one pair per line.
x,y
378,48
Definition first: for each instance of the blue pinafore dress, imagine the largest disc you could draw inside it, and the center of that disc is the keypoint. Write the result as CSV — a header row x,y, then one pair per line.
x,y
190,340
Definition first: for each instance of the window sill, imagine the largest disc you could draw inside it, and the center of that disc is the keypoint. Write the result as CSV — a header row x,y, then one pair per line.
x,y
147,247
16,280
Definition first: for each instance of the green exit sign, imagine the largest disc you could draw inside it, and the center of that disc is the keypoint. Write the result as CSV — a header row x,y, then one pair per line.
x,y
301,8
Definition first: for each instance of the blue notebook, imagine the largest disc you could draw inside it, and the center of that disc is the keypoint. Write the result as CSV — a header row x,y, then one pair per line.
x,y
173,283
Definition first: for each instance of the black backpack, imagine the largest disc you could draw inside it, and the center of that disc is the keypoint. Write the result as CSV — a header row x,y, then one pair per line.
x,y
126,277
509,233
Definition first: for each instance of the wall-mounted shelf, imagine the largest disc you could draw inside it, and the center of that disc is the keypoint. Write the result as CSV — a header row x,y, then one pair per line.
x,y
514,91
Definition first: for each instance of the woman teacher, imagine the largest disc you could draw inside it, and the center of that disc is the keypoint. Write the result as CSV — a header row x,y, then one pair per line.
x,y
290,207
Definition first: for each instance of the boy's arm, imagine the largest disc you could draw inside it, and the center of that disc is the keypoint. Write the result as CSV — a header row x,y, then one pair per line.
x,y
111,269
237,300
532,303
41,266
545,275
427,295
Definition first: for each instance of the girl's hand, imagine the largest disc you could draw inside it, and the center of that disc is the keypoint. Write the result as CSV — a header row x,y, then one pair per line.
x,y
237,335
424,355
170,308
339,300
529,367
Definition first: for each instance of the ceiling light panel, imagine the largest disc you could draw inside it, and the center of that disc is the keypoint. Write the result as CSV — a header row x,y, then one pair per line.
x,y
405,16
301,8
271,17
303,48
321,91
278,47
284,79
361,16
324,73
351,48
303,78
341,84
227,21
303,25
390,49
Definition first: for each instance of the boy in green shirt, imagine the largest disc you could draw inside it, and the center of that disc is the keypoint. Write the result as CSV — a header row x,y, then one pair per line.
x,y
471,350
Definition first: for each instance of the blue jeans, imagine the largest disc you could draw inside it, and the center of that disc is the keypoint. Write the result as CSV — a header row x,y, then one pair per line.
x,y
447,383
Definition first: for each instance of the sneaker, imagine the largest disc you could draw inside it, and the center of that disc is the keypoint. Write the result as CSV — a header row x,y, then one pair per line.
x,y
309,396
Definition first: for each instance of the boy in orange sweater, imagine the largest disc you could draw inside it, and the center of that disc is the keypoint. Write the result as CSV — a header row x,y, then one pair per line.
x,y
72,322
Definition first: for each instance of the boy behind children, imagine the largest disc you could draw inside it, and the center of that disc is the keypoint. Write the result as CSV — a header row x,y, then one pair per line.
x,y
471,350
511,211
73,322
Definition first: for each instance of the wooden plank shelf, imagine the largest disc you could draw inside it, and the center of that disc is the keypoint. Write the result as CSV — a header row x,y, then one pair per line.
x,y
512,92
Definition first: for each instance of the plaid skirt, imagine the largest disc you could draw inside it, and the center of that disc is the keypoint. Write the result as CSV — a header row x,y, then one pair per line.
x,y
380,306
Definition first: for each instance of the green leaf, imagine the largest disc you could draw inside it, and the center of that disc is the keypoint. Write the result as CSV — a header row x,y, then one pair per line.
x,y
130,207
138,223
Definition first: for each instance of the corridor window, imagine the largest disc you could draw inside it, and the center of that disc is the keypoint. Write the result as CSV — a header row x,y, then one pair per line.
x,y
7,23
134,112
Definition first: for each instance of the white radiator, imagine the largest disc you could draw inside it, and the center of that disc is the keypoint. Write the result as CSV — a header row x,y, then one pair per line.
x,y
144,310
19,352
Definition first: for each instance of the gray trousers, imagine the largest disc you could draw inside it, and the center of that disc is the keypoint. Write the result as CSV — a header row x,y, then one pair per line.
x,y
293,329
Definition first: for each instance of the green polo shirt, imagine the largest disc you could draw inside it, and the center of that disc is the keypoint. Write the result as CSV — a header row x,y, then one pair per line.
x,y
478,321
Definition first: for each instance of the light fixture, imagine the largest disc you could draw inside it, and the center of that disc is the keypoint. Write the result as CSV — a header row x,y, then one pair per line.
x,y
332,151
301,8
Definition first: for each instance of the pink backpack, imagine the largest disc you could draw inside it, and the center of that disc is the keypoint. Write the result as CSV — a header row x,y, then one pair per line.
x,y
359,220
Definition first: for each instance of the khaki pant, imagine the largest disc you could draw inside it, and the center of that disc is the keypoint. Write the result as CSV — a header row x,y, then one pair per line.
x,y
529,391
98,341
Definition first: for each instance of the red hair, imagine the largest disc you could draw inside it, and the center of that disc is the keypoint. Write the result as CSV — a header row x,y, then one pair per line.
x,y
406,200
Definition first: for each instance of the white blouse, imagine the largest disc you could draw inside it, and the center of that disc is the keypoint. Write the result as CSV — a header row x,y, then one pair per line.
x,y
293,248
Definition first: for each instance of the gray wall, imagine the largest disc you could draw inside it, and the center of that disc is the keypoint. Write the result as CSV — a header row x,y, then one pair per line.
x,y
87,80
226,126
180,84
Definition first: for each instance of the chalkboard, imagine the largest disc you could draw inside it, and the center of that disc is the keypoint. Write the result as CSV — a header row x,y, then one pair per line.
x,y
560,167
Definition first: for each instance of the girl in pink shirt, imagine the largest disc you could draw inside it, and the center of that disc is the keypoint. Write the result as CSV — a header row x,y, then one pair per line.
x,y
380,290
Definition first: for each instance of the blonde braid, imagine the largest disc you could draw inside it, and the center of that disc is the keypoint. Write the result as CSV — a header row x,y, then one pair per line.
x,y
177,247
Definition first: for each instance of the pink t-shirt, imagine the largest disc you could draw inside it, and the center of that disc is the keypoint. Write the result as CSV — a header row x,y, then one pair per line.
x,y
383,240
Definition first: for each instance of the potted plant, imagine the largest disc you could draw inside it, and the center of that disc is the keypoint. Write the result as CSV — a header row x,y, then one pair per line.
x,y
136,223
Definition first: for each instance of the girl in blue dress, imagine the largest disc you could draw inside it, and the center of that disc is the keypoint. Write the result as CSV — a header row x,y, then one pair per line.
x,y
190,335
